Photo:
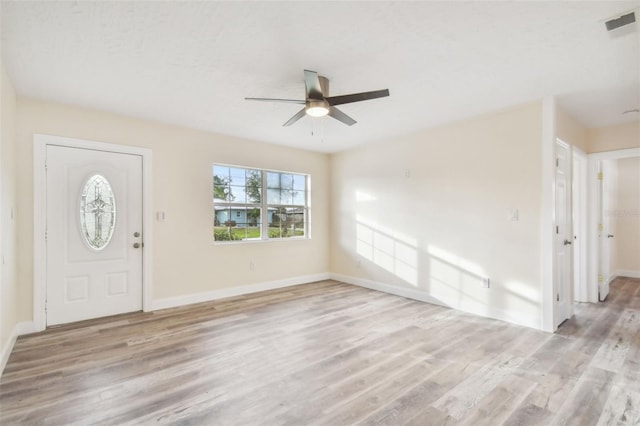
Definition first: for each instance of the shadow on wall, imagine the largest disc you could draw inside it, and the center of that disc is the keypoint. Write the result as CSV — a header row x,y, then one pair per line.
x,y
446,278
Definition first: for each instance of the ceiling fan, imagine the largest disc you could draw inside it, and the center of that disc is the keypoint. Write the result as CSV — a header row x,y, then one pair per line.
x,y
318,103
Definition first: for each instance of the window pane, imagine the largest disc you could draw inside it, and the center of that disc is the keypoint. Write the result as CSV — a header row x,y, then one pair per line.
x,y
253,218
220,193
299,229
286,222
254,195
286,197
239,231
220,183
238,194
273,180
276,219
273,196
299,182
237,176
223,216
254,186
221,172
295,222
286,181
299,198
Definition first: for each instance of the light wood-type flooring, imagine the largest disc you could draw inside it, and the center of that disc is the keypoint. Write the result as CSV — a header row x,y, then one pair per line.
x,y
332,354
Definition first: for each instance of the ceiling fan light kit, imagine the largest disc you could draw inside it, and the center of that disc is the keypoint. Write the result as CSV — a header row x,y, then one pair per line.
x,y
316,108
318,103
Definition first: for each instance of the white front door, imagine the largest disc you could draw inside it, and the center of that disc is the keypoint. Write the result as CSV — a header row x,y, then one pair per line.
x,y
564,233
94,241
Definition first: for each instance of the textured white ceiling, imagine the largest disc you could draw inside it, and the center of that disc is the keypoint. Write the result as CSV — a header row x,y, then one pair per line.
x,y
192,63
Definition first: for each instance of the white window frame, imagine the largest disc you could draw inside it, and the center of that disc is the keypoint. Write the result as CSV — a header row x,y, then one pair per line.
x,y
264,206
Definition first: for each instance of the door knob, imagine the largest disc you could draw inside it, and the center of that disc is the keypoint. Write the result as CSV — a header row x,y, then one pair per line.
x,y
567,242
136,245
610,236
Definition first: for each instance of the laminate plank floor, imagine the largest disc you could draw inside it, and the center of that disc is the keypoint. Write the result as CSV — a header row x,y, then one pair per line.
x,y
329,353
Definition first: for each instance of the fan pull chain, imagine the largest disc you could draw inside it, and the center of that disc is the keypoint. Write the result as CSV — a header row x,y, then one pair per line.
x,y
318,129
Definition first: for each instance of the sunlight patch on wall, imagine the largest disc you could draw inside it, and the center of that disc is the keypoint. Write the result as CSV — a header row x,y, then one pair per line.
x,y
455,278
363,196
521,292
388,249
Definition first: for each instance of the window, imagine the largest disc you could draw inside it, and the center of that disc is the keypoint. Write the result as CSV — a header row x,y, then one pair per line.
x,y
97,212
242,212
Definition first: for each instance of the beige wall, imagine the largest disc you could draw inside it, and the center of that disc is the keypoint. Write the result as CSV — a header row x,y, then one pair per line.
x,y
613,138
429,213
570,130
185,259
8,281
626,217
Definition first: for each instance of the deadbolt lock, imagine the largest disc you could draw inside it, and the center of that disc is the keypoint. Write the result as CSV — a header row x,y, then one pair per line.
x,y
136,234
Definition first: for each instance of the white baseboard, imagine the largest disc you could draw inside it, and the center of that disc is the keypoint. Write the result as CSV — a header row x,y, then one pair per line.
x,y
628,273
20,329
172,302
465,306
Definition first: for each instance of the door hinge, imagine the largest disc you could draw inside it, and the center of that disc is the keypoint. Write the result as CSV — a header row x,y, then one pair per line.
x,y
45,235
600,278
557,297
557,163
557,229
600,175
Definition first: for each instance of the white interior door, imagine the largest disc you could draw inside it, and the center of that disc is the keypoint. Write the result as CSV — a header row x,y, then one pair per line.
x,y
94,241
579,210
564,233
605,227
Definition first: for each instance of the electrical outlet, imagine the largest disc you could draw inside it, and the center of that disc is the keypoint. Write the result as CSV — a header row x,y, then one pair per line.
x,y
485,282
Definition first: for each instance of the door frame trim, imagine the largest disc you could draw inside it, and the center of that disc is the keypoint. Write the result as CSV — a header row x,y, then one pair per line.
x,y
40,143
593,256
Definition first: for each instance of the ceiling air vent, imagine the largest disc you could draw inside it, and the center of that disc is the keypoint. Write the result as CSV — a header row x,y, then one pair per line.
x,y
627,19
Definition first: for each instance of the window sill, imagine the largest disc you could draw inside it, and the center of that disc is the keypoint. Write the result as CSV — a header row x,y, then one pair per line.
x,y
256,241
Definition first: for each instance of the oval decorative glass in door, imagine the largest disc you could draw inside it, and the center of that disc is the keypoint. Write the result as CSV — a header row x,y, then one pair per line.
x,y
97,212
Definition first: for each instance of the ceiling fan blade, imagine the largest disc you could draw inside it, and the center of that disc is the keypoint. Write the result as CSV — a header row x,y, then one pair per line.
x,y
341,116
290,101
357,97
295,118
312,83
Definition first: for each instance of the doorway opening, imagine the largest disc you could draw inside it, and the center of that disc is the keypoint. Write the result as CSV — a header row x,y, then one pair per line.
x,y
606,213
